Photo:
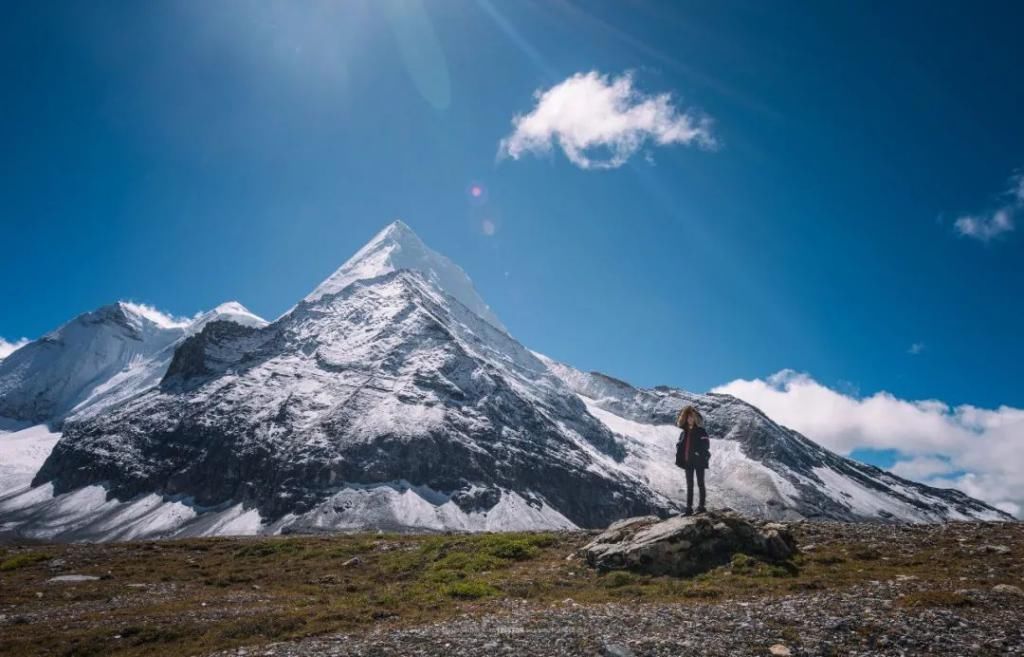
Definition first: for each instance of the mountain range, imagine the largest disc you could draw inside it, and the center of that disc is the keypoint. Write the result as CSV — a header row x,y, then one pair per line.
x,y
390,397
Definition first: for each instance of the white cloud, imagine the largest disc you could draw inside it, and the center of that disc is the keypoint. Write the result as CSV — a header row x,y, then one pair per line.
x,y
916,348
591,113
7,348
974,449
987,226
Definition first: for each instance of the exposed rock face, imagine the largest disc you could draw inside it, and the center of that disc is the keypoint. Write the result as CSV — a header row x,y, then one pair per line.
x,y
685,546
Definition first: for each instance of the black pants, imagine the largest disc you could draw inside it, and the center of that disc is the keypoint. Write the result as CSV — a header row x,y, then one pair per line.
x,y
689,486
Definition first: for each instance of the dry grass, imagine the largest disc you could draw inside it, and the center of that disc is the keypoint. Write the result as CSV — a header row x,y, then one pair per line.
x,y
191,597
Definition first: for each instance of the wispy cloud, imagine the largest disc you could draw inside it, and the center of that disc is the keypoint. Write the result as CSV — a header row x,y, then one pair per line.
x,y
916,348
974,449
599,122
158,317
987,226
8,348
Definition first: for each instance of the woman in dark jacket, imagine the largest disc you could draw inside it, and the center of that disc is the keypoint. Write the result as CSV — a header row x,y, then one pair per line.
x,y
693,453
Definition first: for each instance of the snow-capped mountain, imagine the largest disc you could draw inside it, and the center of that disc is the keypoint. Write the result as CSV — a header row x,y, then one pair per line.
x,y
391,397
47,378
97,359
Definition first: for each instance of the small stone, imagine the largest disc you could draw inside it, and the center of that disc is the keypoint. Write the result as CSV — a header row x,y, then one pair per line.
x,y
779,650
354,561
1007,589
994,549
72,579
616,650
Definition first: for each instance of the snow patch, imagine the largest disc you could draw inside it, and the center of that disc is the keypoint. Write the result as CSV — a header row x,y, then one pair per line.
x,y
22,453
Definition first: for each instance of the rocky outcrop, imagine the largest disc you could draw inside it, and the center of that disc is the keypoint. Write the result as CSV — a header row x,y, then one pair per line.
x,y
686,545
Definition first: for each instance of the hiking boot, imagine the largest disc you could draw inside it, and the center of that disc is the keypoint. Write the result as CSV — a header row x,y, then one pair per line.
x,y
701,509
688,512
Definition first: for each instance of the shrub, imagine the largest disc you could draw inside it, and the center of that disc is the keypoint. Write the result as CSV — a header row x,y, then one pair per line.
x,y
21,560
617,578
935,599
269,548
470,589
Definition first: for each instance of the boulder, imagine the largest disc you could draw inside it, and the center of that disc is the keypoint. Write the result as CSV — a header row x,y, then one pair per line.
x,y
685,546
1008,589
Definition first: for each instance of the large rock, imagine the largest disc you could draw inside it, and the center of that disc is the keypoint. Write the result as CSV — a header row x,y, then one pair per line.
x,y
684,546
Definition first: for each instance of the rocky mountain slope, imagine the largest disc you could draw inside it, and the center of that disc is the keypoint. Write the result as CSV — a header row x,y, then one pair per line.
x,y
391,397
758,466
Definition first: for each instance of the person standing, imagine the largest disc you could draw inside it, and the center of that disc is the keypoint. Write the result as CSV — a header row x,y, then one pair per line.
x,y
693,454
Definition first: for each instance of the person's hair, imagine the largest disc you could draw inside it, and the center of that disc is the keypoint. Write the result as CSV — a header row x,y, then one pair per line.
x,y
685,414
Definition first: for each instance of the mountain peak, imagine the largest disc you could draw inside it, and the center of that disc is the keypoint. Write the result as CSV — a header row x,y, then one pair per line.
x,y
231,311
396,230
395,247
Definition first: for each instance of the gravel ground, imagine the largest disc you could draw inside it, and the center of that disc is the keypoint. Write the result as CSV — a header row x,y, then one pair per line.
x,y
871,618
865,620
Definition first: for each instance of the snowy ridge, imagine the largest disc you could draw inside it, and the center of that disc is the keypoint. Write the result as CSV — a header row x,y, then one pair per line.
x,y
99,359
758,466
232,311
47,378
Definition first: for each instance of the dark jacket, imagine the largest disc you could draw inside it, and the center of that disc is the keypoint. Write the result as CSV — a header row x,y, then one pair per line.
x,y
699,449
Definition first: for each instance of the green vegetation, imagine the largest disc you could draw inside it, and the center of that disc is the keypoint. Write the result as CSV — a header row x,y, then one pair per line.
x,y
22,560
935,598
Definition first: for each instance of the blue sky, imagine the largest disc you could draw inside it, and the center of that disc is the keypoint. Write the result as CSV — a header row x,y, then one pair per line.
x,y
185,154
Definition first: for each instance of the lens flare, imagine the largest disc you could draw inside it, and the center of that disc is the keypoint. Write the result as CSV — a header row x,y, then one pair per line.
x,y
476,192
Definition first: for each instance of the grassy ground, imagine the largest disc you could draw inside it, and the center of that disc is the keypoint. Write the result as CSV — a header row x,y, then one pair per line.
x,y
191,597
